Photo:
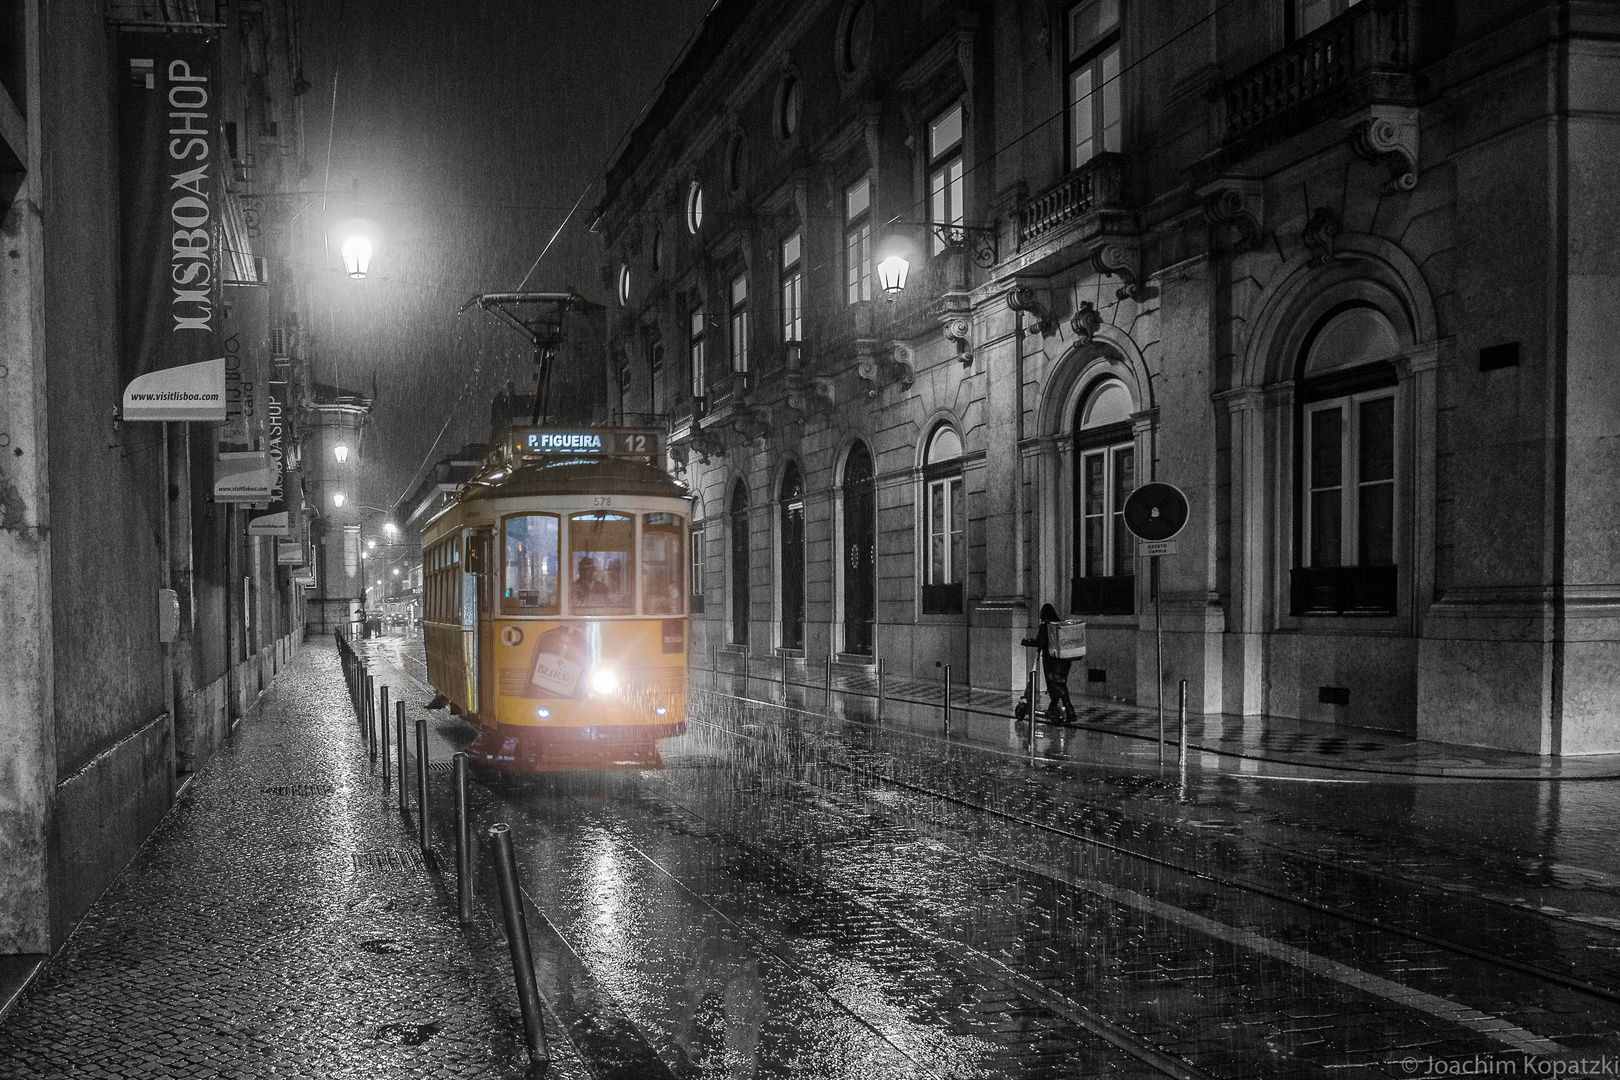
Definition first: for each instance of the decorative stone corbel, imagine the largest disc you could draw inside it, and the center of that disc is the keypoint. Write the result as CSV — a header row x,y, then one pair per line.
x,y
904,359
1236,206
966,24
1023,298
707,444
1086,322
754,422
866,368
960,330
1390,135
1125,265
680,453
1319,234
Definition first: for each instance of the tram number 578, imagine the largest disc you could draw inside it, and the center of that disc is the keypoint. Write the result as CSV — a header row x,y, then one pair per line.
x,y
602,500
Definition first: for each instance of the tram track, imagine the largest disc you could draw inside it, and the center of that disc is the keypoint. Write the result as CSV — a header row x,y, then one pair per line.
x,y
1373,922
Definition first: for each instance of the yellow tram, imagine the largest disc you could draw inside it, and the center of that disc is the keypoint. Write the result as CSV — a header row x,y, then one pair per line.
x,y
555,600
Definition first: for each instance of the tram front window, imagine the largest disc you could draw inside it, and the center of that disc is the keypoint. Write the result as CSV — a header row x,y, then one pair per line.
x,y
530,587
602,549
662,568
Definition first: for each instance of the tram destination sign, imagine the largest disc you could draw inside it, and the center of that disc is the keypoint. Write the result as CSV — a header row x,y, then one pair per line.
x,y
588,442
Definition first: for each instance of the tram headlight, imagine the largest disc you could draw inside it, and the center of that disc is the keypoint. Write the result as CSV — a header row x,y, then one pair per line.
x,y
604,681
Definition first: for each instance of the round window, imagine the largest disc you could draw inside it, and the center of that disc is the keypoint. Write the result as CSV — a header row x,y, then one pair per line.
x,y
694,207
624,284
790,107
858,37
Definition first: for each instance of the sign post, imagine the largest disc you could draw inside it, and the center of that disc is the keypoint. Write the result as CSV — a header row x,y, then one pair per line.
x,y
1155,513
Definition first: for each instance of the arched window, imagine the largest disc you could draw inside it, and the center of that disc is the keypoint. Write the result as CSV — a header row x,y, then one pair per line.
x,y
1104,474
790,505
944,523
739,564
1346,395
860,550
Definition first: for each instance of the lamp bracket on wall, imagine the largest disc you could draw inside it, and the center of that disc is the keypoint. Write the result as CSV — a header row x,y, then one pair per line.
x,y
979,241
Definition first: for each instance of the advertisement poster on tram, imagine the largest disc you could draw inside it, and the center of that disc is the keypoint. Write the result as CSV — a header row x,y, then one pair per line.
x,y
170,211
243,467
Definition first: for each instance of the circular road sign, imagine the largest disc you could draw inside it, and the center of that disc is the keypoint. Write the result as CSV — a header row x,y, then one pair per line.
x,y
1155,511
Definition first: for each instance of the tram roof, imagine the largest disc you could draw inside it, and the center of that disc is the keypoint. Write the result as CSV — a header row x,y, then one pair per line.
x,y
575,476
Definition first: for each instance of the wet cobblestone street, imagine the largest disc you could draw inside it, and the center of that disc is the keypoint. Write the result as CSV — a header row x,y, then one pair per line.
x,y
905,904
809,892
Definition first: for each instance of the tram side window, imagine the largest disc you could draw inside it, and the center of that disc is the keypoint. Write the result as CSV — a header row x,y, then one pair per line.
x,y
530,586
662,567
602,551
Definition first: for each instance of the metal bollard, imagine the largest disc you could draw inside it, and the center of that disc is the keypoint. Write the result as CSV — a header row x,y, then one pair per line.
x,y
880,690
1029,693
745,673
1181,743
387,758
947,699
517,937
464,884
367,706
421,785
399,731
829,683
371,722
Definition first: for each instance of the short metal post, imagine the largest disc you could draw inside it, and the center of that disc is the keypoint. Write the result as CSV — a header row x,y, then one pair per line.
x,y
828,699
880,689
1181,744
745,672
367,705
464,884
387,757
1029,695
421,785
517,937
947,699
371,721
399,731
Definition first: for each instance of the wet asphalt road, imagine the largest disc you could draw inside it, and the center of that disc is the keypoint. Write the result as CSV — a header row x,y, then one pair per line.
x,y
805,895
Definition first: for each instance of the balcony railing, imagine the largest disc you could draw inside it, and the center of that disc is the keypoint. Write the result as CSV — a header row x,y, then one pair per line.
x,y
1098,184
1370,37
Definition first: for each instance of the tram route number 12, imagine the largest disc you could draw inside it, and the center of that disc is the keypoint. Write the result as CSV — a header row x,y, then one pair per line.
x,y
635,444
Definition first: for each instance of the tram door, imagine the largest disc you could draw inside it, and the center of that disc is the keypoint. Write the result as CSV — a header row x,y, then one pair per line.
x,y
477,629
860,551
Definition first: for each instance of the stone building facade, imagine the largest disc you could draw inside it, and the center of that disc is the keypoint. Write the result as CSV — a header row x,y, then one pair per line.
x,y
1341,272
139,616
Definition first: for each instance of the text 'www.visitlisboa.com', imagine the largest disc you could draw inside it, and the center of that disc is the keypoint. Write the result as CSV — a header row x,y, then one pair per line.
x,y
175,395
1514,1065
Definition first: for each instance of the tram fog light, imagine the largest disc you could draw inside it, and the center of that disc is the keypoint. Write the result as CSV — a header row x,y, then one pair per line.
x,y
543,713
604,681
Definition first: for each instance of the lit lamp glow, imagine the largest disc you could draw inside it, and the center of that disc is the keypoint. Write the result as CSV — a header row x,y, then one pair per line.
x,y
356,256
341,452
338,498
892,275
390,528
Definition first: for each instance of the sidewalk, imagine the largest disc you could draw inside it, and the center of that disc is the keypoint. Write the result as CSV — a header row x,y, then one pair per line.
x,y
1236,739
280,922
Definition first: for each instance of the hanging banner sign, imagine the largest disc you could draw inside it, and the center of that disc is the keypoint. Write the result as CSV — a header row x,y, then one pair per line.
x,y
169,169
243,468
279,521
191,392
275,524
290,553
242,477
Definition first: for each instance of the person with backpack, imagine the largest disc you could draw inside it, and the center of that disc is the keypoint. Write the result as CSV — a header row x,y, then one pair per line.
x,y
1059,709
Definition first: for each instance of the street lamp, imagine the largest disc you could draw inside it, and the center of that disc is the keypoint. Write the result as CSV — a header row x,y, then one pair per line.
x,y
356,256
892,275
340,452
371,544
396,571
390,528
338,498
